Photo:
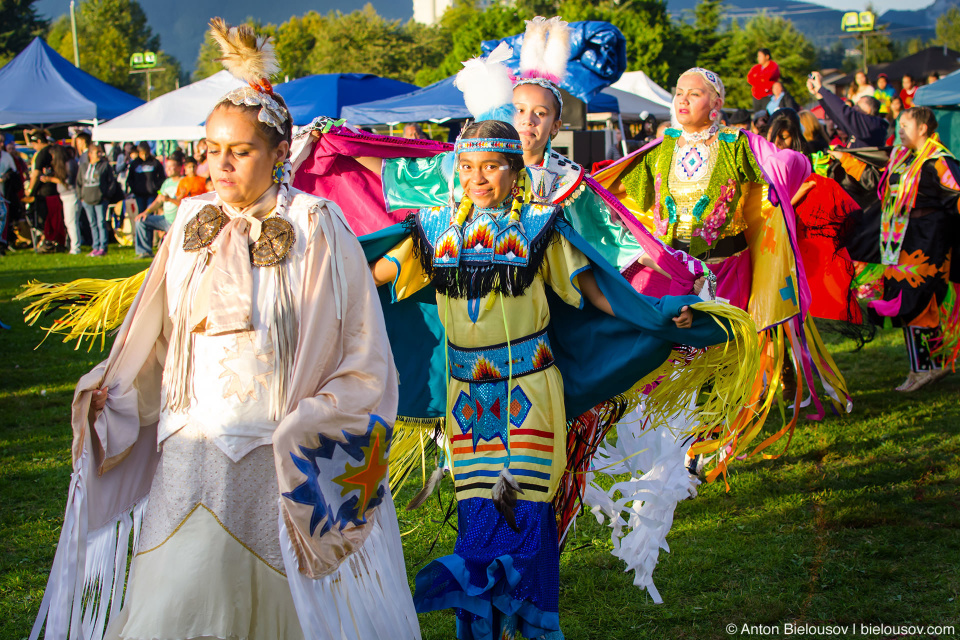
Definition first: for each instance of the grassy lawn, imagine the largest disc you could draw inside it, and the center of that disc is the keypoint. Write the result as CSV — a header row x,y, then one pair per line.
x,y
856,524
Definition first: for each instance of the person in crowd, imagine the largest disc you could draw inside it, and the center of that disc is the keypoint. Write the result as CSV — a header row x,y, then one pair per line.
x,y
413,131
739,118
200,155
933,77
786,131
908,89
648,129
14,191
46,208
759,123
65,168
813,133
761,78
863,124
884,93
863,87
190,184
780,98
913,230
124,158
159,214
893,131
96,179
144,177
8,169
822,210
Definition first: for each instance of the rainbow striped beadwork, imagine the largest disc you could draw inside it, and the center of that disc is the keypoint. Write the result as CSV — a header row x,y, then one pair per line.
x,y
500,145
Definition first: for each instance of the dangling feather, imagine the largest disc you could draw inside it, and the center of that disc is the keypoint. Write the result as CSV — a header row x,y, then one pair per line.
x,y
534,45
487,87
431,485
246,55
557,51
505,497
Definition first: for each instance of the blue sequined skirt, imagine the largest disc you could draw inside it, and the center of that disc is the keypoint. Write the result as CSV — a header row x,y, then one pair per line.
x,y
496,574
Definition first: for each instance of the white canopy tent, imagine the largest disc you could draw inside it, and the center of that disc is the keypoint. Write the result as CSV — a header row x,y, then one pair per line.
x,y
178,115
636,93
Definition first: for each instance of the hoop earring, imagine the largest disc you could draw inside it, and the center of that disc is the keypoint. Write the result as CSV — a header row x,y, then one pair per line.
x,y
278,172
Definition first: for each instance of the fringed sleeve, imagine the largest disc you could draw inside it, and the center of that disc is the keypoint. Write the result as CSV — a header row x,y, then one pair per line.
x,y
338,529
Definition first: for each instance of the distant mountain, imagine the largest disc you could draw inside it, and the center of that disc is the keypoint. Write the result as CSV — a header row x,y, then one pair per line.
x,y
181,23
926,17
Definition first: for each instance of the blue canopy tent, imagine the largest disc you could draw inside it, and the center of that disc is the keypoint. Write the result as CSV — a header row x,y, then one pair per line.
x,y
41,87
943,96
598,57
326,94
438,102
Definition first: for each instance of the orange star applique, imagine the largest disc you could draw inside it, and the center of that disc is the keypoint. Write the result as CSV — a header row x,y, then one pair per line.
x,y
368,475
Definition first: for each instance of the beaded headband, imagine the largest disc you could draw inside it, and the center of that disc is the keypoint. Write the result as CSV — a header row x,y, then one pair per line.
x,y
498,145
712,79
250,58
546,84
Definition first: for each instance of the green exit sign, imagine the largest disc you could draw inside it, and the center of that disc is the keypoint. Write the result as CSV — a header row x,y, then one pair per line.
x,y
857,21
143,60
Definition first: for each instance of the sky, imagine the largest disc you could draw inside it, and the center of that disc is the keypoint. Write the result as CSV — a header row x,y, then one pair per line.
x,y
879,5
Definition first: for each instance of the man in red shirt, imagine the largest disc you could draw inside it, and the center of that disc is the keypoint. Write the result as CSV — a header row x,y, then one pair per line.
x,y
761,79
908,90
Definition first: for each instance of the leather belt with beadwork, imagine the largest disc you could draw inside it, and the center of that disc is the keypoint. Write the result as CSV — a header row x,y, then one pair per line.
x,y
276,236
724,248
492,364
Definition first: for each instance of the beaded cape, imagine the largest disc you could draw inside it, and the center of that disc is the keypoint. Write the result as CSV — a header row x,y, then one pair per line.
x,y
490,253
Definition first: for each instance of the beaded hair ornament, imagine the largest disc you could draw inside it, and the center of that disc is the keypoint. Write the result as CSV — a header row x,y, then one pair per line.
x,y
716,84
250,58
544,54
488,94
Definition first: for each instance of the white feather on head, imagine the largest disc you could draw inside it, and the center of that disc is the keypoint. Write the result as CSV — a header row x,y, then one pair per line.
x,y
545,49
487,86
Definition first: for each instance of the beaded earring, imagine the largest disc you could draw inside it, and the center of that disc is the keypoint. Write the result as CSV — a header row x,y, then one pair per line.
x,y
278,173
714,114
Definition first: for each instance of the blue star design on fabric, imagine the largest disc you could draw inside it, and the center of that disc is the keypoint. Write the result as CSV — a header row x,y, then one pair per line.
x,y
484,414
309,492
788,293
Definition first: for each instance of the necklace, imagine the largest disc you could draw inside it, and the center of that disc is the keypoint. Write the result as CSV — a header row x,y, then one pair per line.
x,y
700,136
693,159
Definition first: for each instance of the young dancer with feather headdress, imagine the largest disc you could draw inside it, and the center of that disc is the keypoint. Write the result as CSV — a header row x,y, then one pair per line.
x,y
240,427
533,327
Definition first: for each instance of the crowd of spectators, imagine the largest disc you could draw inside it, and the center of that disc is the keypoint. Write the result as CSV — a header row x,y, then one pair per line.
x,y
59,195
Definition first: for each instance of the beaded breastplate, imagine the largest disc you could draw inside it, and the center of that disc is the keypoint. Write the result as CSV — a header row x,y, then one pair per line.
x,y
276,236
490,252
559,180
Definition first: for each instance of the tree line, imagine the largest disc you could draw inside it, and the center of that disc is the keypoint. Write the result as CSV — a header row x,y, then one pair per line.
x,y
362,41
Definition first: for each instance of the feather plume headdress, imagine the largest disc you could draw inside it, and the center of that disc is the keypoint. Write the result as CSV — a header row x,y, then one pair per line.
x,y
488,93
250,58
487,87
544,54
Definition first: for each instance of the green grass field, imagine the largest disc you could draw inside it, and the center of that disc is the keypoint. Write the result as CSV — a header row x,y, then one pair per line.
x,y
856,524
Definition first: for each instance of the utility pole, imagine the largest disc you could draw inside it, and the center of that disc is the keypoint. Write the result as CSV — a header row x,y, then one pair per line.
x,y
73,28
